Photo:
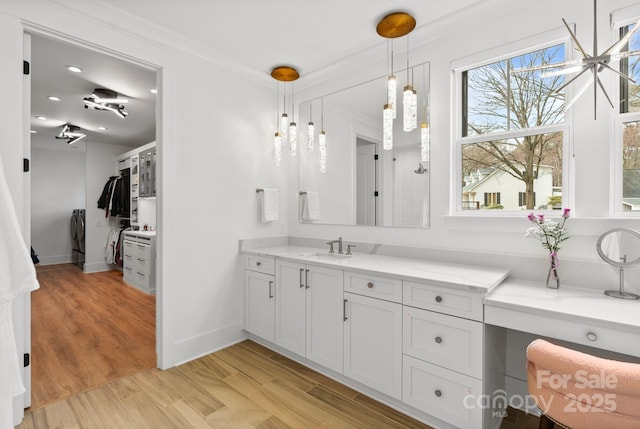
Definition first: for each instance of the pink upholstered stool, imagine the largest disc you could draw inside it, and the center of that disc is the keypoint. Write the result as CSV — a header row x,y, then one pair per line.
x,y
580,391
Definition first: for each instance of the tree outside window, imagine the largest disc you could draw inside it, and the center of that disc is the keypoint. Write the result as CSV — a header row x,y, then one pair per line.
x,y
508,103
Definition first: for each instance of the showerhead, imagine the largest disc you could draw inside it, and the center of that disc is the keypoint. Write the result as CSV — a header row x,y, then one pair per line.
x,y
421,169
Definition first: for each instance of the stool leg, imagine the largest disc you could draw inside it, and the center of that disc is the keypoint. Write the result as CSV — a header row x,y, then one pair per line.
x,y
546,422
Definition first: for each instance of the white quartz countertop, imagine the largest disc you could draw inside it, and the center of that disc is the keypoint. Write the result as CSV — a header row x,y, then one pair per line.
x,y
567,302
451,275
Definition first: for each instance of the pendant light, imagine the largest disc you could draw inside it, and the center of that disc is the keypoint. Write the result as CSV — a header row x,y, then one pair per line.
x,y
424,127
322,140
409,101
293,129
394,25
283,74
310,129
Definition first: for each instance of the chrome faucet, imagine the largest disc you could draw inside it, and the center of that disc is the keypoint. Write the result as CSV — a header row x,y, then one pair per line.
x,y
331,243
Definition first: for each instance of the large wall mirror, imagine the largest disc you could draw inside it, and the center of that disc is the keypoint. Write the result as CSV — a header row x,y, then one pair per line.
x,y
365,184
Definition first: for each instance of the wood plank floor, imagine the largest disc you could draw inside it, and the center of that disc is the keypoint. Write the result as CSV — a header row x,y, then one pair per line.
x,y
87,330
245,386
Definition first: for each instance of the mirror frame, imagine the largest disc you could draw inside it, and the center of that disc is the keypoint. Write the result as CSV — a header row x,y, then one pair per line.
x,y
606,258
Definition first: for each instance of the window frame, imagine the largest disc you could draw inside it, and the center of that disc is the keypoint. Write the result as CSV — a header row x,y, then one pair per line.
x,y
510,50
620,119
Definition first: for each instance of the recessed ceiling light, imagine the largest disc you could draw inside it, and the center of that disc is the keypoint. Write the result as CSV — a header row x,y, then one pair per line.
x,y
52,98
102,128
153,91
42,118
33,131
74,69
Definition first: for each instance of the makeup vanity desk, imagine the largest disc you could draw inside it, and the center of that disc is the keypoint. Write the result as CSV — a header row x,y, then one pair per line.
x,y
583,316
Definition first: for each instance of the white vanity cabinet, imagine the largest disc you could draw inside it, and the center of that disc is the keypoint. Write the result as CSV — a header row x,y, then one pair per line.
x,y
443,353
139,260
373,332
309,312
259,283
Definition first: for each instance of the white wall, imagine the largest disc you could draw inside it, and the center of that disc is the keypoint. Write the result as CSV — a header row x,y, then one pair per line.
x,y
57,188
101,163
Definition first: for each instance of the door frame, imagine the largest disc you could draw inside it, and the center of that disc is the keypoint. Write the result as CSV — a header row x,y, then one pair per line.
x,y
22,311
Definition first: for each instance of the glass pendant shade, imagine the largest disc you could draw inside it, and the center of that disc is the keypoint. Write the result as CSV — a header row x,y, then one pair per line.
x,y
284,124
391,93
424,142
310,136
322,148
410,109
293,139
277,149
387,127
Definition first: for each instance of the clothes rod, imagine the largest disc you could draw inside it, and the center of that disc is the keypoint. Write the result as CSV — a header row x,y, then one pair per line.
x,y
259,190
302,193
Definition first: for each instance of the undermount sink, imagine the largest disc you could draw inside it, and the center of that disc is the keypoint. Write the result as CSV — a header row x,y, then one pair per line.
x,y
322,255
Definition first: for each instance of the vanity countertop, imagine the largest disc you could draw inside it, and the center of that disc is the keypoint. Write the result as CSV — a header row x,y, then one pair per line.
x,y
461,276
570,303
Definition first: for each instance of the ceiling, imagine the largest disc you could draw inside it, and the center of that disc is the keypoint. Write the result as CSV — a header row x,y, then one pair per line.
x,y
50,77
317,37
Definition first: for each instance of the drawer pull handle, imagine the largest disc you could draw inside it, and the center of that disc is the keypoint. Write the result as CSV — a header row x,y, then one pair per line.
x,y
301,281
370,285
591,336
438,298
344,310
438,340
258,263
270,292
141,260
141,246
127,268
142,274
438,393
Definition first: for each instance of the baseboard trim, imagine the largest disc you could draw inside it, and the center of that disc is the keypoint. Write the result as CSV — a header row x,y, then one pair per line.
x,y
97,267
54,260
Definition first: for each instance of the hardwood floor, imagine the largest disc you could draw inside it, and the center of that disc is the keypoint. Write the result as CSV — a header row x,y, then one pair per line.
x,y
245,386
87,330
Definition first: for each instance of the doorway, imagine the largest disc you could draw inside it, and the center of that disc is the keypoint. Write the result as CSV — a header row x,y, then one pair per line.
x,y
366,182
75,311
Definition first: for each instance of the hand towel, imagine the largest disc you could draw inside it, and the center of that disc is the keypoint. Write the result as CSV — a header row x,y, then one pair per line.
x,y
311,206
17,276
270,205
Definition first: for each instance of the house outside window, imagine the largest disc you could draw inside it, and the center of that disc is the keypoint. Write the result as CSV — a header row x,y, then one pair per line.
x,y
511,131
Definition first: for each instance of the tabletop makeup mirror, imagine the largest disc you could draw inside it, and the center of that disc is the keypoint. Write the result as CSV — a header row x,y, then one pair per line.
x,y
620,247
359,182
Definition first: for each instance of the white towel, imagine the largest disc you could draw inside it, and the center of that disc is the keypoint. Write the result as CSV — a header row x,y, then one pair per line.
x,y
17,276
270,205
311,206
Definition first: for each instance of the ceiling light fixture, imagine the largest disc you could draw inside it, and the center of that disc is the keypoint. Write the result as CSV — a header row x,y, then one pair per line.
x,y
594,63
72,133
322,140
74,69
105,99
425,143
42,118
102,128
310,129
153,91
53,98
394,25
284,74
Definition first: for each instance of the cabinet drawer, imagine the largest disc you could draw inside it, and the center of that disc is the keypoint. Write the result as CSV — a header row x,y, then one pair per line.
x,y
443,300
261,264
445,394
447,341
374,286
129,248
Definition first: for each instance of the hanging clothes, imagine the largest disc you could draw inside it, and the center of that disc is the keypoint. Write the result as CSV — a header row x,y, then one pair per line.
x,y
114,198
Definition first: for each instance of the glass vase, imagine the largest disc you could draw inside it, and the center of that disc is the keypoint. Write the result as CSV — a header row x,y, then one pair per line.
x,y
553,280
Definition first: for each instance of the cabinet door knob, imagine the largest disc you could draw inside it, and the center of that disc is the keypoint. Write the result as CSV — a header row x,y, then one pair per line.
x,y
258,263
370,285
438,340
591,336
438,298
438,393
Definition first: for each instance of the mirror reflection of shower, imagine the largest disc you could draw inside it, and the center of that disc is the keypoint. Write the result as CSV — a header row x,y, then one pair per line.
x,y
421,169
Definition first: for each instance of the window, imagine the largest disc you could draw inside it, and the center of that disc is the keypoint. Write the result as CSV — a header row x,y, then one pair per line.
x,y
627,157
510,144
